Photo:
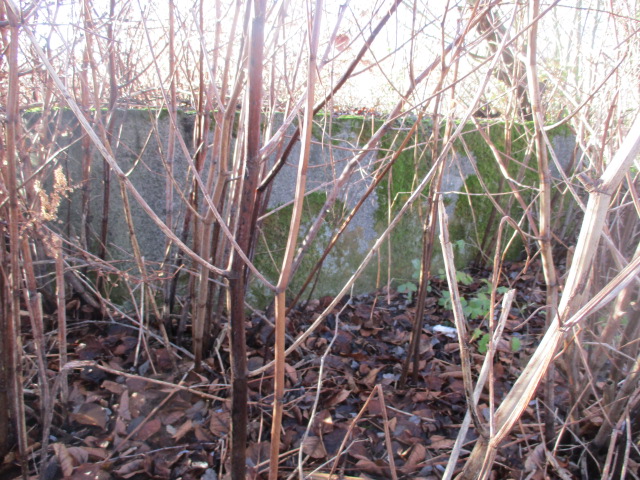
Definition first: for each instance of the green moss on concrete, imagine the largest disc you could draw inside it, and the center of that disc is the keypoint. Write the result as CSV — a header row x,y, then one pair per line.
x,y
400,181
271,245
474,215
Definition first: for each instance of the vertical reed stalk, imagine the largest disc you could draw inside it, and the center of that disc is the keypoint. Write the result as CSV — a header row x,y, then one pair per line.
x,y
171,144
6,349
87,158
545,234
62,318
14,280
429,230
33,300
202,226
292,241
106,171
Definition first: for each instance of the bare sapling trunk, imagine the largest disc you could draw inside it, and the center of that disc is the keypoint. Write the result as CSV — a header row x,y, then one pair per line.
x,y
13,275
6,350
87,157
203,232
428,235
106,171
33,300
545,234
225,117
203,228
171,147
292,241
6,315
244,236
61,317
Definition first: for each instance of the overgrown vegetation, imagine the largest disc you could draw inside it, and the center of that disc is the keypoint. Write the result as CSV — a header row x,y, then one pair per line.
x,y
130,346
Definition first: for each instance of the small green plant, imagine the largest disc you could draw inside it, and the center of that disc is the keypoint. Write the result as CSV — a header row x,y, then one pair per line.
x,y
460,245
445,301
483,343
479,305
461,277
410,287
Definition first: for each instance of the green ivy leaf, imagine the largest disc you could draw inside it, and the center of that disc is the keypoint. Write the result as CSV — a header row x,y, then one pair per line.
x,y
464,278
483,344
409,288
476,334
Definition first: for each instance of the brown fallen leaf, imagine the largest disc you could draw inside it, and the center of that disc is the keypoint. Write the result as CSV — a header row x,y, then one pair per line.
x,y
258,452
425,395
202,435
158,466
438,442
183,430
123,410
88,471
113,387
148,430
323,422
338,398
164,360
536,459
120,427
90,348
370,379
417,455
130,469
219,423
291,373
333,440
377,467
172,417
79,455
314,447
95,453
64,459
90,414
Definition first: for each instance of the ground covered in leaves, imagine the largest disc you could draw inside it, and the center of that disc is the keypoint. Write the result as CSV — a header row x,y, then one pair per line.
x,y
134,411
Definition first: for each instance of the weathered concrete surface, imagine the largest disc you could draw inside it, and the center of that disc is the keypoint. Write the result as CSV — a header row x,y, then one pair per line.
x,y
140,147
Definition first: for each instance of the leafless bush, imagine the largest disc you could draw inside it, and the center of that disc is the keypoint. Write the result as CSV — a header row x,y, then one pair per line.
x,y
237,66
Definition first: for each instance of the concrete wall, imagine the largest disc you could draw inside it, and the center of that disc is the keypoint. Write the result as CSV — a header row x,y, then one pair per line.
x,y
141,148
